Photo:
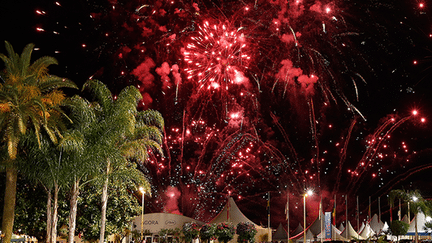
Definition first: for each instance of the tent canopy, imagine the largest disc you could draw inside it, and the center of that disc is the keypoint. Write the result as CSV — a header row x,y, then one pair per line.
x,y
280,234
231,213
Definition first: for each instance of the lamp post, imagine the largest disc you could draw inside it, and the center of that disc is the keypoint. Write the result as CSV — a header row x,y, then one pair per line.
x,y
308,193
142,212
414,198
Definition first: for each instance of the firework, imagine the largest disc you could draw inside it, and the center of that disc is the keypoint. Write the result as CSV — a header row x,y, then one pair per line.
x,y
257,95
217,56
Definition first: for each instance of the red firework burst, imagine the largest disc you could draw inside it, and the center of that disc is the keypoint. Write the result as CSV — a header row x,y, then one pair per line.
x,y
217,56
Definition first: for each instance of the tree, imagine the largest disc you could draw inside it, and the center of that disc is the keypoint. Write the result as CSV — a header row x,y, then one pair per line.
x,y
124,206
246,232
29,99
44,165
398,228
225,232
80,152
208,232
415,203
30,208
126,133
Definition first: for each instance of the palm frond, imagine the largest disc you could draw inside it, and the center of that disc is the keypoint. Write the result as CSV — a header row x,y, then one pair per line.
x,y
3,117
36,126
50,133
150,117
39,68
22,128
130,94
8,63
149,132
139,149
72,141
81,111
131,175
100,91
52,82
54,98
25,59
11,65
12,145
135,150
28,93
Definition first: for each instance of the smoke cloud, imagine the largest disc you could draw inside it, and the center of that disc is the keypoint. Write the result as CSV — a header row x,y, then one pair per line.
x,y
173,195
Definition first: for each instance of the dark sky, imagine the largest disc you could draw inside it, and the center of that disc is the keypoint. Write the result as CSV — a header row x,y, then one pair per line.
x,y
362,51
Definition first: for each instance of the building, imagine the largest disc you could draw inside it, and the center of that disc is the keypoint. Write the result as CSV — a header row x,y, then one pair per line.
x,y
155,222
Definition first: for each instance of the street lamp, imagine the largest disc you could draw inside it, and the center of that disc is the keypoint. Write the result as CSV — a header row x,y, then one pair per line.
x,y
308,193
142,212
414,198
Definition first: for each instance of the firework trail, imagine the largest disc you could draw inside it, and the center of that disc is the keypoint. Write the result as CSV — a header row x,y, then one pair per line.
x,y
343,155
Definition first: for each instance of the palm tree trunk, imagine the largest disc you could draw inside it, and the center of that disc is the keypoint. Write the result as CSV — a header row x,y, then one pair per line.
x,y
104,206
55,214
9,203
73,211
49,217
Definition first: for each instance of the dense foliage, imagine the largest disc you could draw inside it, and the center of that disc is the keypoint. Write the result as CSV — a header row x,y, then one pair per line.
x,y
30,102
225,232
398,227
246,232
208,232
190,231
73,151
123,206
174,233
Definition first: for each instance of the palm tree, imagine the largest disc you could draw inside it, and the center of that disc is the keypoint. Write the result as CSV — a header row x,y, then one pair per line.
x,y
29,99
79,152
127,133
415,203
45,166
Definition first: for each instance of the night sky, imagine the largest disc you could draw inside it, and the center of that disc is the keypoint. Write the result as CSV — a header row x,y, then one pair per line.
x,y
258,96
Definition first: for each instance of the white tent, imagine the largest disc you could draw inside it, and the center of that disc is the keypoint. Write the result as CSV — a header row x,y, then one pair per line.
x,y
314,232
385,228
375,224
421,220
280,234
336,234
362,227
232,214
350,233
405,219
367,232
341,227
317,225
300,237
298,230
336,230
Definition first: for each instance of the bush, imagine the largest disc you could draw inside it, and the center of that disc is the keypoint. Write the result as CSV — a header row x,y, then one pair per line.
x,y
246,232
398,228
225,232
264,237
190,231
208,232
